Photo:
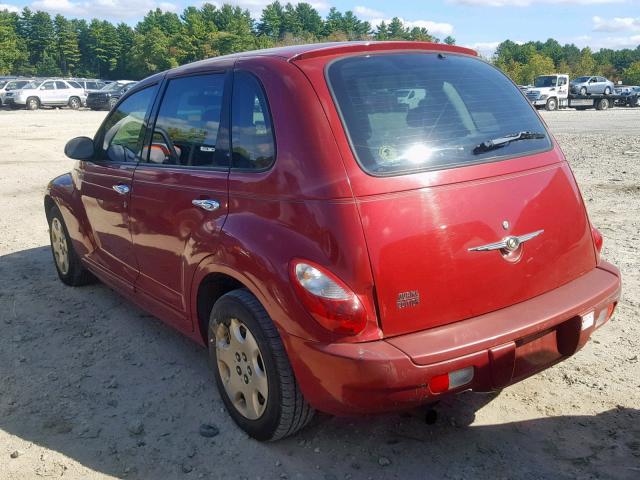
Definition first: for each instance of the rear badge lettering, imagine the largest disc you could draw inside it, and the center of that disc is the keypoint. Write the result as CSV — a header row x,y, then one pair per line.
x,y
408,299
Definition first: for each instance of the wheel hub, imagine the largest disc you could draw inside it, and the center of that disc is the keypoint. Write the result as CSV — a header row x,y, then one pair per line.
x,y
241,368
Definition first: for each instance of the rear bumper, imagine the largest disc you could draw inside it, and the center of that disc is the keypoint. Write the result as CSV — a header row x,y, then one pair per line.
x,y
503,347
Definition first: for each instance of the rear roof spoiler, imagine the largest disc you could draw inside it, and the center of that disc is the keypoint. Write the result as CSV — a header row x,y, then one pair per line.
x,y
355,47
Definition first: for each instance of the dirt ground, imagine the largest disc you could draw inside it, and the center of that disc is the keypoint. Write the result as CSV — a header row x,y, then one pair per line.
x,y
92,387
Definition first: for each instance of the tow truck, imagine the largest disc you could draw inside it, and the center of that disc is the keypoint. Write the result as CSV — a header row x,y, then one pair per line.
x,y
551,92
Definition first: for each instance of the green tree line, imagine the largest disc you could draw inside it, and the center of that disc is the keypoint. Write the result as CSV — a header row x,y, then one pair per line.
x,y
35,43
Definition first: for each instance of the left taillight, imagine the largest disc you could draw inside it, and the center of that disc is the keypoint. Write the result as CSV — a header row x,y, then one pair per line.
x,y
597,239
329,300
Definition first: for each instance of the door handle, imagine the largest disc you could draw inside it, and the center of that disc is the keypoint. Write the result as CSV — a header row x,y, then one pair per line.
x,y
208,205
121,188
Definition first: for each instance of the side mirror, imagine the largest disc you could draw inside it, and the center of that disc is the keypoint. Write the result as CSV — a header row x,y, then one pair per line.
x,y
79,148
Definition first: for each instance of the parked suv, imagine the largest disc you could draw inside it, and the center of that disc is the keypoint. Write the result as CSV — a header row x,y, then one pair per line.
x,y
333,252
50,92
587,85
9,85
107,97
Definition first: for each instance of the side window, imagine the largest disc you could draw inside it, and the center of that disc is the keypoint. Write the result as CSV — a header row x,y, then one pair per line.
x,y
61,86
120,139
188,122
562,81
252,141
47,86
90,85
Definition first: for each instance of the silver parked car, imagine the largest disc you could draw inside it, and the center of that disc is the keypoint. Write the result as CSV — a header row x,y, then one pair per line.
x,y
50,92
591,84
9,85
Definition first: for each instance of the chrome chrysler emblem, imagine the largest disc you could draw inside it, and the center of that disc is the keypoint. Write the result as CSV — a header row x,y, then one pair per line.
x,y
508,244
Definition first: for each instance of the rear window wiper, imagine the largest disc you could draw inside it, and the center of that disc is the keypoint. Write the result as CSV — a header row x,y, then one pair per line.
x,y
489,145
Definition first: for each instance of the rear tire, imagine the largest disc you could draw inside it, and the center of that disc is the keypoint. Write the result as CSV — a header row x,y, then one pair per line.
x,y
32,103
75,103
607,91
603,104
65,258
270,413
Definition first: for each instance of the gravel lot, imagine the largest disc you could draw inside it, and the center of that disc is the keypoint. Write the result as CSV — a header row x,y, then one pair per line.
x,y
92,387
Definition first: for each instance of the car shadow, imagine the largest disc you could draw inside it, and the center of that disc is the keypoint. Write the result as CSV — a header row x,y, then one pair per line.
x,y
87,374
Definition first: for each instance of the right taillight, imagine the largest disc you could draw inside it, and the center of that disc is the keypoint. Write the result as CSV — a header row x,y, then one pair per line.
x,y
597,239
329,300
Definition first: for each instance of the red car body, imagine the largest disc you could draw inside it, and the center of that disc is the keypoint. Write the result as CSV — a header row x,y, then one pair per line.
x,y
400,243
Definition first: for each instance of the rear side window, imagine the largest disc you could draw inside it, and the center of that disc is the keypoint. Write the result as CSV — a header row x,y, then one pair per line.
x,y
459,102
61,85
188,123
252,142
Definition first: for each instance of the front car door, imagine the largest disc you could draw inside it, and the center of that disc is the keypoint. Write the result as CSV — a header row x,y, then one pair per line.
x,y
105,187
179,197
47,93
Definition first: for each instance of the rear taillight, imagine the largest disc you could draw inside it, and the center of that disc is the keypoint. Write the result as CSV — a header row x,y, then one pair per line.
x,y
597,239
329,300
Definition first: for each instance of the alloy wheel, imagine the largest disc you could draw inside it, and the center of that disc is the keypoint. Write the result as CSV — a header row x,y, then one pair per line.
x,y
60,247
241,368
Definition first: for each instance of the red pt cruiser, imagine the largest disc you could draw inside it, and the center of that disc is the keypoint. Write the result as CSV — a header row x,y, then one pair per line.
x,y
349,227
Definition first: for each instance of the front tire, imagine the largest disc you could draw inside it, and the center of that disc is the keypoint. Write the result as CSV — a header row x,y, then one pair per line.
x,y
583,91
112,103
65,258
252,370
552,105
74,103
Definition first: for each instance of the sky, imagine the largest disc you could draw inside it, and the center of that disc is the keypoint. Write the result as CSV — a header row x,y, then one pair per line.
x,y
480,24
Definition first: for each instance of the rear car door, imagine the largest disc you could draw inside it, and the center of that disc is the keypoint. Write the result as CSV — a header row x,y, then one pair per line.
x,y
105,185
62,93
179,198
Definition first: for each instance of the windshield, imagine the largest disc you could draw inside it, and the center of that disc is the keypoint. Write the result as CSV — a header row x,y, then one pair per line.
x,y
34,84
546,81
581,79
462,102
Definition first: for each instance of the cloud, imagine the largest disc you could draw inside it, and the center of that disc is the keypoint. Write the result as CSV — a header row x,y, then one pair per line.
x,y
616,24
367,12
613,42
11,8
486,49
434,28
114,9
527,3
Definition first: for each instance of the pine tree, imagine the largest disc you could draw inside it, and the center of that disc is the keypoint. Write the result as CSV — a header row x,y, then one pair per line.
x,y
67,46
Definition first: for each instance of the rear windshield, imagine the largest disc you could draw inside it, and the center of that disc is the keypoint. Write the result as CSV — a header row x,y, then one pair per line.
x,y
458,103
